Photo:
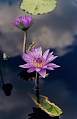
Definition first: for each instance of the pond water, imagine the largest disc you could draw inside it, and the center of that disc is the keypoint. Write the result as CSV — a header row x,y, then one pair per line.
x,y
58,31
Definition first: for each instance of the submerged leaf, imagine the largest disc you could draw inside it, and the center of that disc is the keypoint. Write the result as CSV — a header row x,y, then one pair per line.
x,y
38,6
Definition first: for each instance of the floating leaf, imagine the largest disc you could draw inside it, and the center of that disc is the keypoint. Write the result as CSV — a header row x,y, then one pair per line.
x,y
36,7
47,106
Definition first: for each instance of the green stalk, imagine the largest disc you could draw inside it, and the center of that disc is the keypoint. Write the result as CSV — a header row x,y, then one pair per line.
x,y
25,42
37,87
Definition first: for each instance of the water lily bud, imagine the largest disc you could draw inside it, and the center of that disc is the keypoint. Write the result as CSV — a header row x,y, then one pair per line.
x,y
23,22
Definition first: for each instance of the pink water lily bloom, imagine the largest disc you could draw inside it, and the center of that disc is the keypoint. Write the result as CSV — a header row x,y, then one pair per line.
x,y
38,61
23,22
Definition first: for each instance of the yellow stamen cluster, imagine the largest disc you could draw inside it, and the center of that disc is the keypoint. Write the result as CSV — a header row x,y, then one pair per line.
x,y
38,64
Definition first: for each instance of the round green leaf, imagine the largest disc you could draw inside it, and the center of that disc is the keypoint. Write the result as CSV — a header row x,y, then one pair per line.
x,y
36,7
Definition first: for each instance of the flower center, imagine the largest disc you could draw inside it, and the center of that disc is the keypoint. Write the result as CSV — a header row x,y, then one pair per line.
x,y
39,63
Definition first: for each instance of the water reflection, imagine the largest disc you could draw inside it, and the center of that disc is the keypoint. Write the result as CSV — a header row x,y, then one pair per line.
x,y
61,89
26,76
61,85
39,114
6,87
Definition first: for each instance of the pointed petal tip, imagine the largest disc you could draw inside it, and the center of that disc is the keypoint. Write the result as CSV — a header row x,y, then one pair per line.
x,y
42,73
46,53
21,66
31,70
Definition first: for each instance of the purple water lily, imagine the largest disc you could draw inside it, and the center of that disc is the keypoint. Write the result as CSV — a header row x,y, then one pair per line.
x,y
23,22
38,61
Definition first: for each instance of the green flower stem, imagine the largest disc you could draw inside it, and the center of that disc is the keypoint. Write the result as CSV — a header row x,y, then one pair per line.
x,y
25,42
37,87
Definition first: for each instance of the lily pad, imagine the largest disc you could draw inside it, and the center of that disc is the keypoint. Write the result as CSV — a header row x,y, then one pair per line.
x,y
36,7
49,107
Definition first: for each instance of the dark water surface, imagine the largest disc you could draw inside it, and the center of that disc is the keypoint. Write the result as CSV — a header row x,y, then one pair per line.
x,y
61,85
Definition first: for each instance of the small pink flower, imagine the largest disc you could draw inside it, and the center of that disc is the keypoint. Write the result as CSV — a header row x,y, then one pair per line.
x,y
38,61
23,22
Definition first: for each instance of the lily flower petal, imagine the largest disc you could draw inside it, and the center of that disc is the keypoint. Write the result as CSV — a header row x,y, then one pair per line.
x,y
26,65
31,70
53,65
38,69
46,53
36,61
38,52
43,73
51,58
50,68
27,57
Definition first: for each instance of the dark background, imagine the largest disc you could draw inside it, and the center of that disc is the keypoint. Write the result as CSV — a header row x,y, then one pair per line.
x,y
58,31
